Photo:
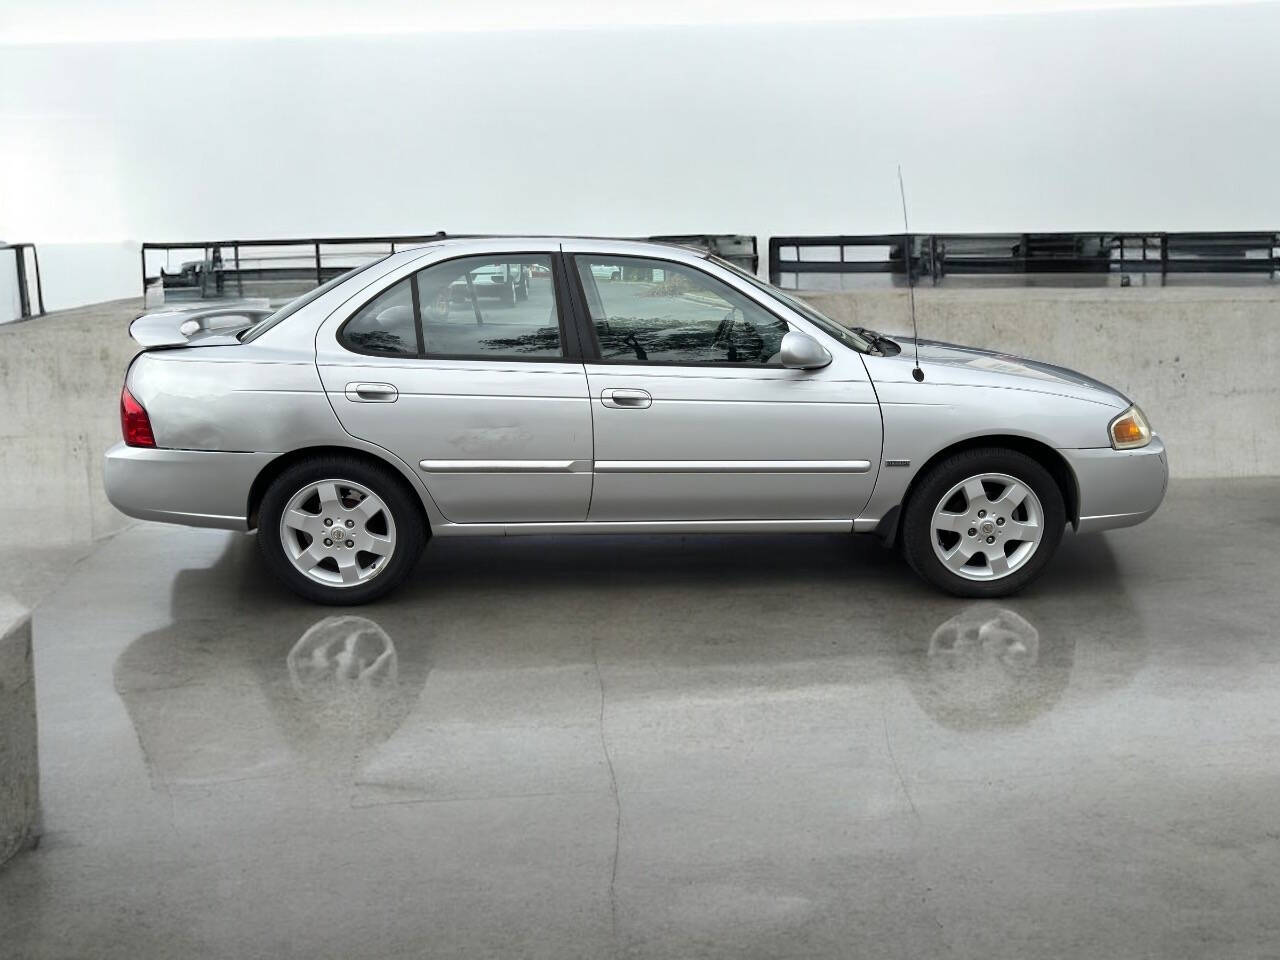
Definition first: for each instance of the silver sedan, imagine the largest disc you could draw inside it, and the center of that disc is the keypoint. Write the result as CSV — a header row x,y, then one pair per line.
x,y
635,388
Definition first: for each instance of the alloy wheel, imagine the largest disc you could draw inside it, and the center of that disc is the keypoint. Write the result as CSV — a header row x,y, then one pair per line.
x,y
337,532
987,526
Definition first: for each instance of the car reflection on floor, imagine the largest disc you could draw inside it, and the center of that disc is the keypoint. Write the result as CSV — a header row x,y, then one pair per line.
x,y
987,666
277,691
994,665
282,692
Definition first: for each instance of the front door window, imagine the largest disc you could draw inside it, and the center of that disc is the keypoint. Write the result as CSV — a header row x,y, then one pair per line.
x,y
655,311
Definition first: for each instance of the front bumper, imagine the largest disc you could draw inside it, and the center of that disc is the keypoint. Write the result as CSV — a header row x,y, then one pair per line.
x,y
199,488
1119,488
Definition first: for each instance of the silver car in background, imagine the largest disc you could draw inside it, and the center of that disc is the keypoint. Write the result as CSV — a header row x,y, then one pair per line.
x,y
680,395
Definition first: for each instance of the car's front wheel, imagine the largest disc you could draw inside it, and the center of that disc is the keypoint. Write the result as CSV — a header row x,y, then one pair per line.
x,y
983,523
340,530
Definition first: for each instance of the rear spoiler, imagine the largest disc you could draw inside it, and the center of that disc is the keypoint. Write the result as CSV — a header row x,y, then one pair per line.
x,y
182,328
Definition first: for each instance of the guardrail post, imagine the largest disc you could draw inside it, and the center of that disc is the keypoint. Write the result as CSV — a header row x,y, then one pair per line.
x,y
35,256
20,265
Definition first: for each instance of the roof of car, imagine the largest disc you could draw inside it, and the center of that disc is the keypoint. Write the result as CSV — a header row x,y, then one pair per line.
x,y
575,239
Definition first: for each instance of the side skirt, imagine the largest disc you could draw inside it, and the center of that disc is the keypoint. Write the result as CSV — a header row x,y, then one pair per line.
x,y
640,526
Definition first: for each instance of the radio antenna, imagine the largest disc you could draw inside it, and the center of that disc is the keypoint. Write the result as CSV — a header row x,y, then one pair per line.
x,y
911,284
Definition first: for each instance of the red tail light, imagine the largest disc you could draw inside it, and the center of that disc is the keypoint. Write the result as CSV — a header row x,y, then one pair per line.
x,y
134,422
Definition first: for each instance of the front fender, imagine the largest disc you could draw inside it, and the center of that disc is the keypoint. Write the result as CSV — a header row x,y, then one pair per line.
x,y
921,420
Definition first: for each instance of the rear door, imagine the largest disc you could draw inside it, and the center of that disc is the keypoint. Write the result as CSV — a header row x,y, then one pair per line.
x,y
482,391
694,416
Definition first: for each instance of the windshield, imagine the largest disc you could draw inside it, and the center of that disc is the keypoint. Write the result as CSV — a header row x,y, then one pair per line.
x,y
297,303
824,323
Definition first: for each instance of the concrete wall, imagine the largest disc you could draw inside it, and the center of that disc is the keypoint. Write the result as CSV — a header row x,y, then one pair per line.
x,y
1203,363
60,379
19,770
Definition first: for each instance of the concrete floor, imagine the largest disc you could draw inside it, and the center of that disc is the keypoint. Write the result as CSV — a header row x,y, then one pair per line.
x,y
725,747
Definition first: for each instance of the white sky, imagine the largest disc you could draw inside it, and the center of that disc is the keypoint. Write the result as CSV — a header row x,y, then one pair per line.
x,y
72,21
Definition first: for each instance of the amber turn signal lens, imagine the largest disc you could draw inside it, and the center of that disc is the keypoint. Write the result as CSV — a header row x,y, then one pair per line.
x,y
1127,431
1130,430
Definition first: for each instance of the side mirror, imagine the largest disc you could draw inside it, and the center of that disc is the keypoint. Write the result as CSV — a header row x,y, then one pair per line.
x,y
801,352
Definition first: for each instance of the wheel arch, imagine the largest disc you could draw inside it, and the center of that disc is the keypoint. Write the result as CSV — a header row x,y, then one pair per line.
x,y
1053,461
267,475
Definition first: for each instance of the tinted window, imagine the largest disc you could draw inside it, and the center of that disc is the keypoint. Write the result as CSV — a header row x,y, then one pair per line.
x,y
479,306
824,323
385,325
653,311
469,307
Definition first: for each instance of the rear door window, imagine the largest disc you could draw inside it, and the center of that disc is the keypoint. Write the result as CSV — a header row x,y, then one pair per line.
x,y
501,307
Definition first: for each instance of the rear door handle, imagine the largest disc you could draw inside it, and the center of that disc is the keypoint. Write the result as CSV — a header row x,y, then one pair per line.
x,y
372,392
626,399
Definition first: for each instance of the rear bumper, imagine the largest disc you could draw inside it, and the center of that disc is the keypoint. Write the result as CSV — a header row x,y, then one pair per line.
x,y
1119,488
194,487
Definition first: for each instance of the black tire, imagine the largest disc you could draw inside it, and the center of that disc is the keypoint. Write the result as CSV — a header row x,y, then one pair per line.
x,y
390,487
509,294
522,290
616,275
917,521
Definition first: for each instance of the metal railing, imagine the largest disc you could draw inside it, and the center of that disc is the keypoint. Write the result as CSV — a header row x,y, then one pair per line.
x,y
792,260
24,273
215,269
739,249
280,267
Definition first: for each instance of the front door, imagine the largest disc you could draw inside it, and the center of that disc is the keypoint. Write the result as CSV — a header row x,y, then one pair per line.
x,y
694,416
462,370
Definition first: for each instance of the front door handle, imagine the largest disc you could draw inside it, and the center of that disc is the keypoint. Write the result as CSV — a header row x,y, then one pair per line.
x,y
372,392
626,399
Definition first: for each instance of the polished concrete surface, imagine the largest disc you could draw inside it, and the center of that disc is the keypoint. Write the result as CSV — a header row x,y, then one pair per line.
x,y
665,747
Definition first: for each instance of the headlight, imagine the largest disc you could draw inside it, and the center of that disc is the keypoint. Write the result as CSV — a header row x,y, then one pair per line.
x,y
1130,430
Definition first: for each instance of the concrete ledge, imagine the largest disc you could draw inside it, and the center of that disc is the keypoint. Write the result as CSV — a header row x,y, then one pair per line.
x,y
60,380
19,770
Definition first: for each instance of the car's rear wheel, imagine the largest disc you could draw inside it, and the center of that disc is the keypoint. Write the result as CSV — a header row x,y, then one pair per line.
x,y
983,523
340,530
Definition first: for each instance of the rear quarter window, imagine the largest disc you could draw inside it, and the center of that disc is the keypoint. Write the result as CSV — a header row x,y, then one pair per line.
x,y
385,326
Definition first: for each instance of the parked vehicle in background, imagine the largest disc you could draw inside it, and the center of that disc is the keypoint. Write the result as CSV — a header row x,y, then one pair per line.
x,y
361,418
509,282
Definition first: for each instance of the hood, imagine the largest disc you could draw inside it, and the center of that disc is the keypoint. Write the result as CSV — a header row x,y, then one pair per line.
x,y
204,326
971,366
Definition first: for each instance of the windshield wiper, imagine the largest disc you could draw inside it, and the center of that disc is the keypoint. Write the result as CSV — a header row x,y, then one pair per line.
x,y
887,347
